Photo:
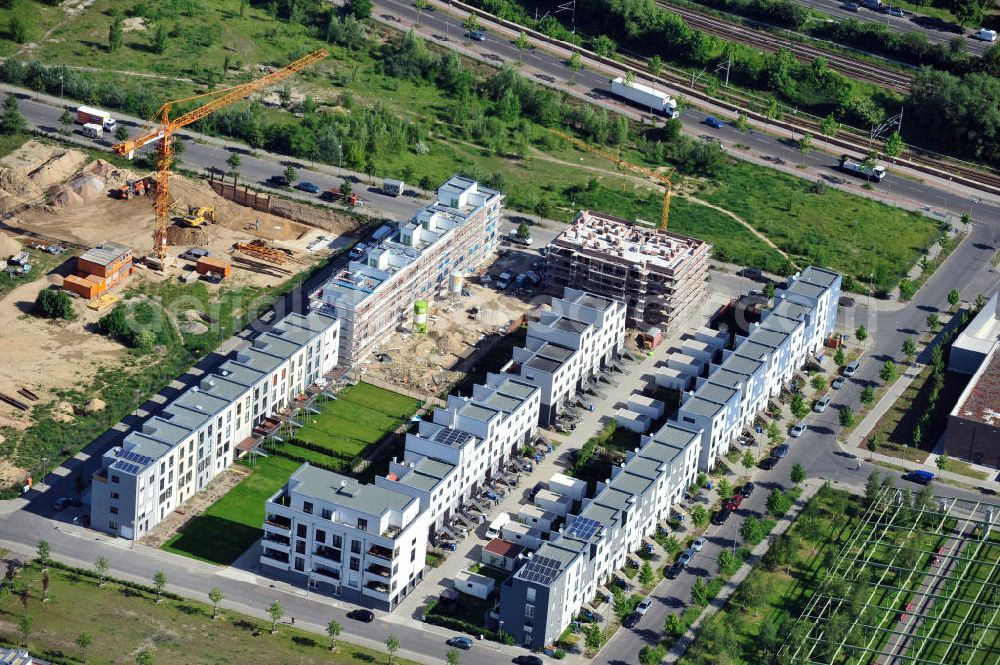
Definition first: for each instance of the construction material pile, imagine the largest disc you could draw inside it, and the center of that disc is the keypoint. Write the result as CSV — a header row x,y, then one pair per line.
x,y
29,171
8,246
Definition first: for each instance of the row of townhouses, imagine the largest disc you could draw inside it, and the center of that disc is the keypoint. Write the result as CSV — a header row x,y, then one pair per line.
x,y
175,454
366,543
539,600
373,295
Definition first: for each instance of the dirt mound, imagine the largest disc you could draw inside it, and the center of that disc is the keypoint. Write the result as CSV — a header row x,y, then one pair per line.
x,y
8,246
111,174
451,343
56,168
134,24
15,183
492,315
194,327
94,405
89,187
183,235
63,196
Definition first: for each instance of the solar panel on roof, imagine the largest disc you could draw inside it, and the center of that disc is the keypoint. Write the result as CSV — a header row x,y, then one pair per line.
x,y
450,437
541,569
134,457
127,467
583,528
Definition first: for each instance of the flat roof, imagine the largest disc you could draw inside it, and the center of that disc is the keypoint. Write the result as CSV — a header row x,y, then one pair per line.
x,y
612,497
420,481
518,389
768,337
555,352
503,402
569,325
715,392
701,407
503,548
741,364
753,350
643,466
347,492
724,377
105,253
600,513
544,364
981,399
806,289
792,310
819,276
478,412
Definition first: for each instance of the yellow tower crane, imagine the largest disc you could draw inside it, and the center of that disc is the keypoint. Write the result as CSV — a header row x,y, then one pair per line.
x,y
618,161
167,126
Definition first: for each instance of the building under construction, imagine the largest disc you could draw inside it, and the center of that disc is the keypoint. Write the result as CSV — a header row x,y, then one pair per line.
x,y
441,243
659,275
99,269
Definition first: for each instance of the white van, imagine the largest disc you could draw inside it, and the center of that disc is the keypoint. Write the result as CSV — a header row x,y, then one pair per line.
x,y
985,35
93,130
496,525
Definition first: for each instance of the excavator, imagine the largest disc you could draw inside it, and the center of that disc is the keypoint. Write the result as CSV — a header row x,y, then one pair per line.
x,y
199,216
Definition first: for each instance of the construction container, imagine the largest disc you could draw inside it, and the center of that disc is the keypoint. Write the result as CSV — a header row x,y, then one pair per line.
x,y
86,287
207,265
420,316
457,279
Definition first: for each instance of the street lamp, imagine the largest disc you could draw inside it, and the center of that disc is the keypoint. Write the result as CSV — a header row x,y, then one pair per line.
x,y
60,89
500,635
972,201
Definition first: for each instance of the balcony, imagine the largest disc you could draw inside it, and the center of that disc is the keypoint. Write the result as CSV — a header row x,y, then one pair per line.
x,y
376,569
275,558
378,587
279,522
326,573
330,554
392,532
282,499
380,552
275,540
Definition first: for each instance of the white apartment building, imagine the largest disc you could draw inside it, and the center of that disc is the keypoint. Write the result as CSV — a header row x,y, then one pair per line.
x,y
175,454
726,402
540,600
365,543
374,295
581,335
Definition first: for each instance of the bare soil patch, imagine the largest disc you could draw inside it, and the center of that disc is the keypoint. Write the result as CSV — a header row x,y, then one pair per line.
x,y
194,506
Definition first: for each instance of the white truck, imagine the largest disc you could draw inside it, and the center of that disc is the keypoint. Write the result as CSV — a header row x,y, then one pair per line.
x,y
644,96
502,520
86,115
393,187
876,173
93,130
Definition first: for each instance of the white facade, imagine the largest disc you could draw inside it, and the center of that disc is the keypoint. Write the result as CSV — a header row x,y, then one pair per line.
x,y
175,454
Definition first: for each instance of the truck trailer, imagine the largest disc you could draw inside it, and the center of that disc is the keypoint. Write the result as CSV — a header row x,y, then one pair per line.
x,y
86,115
876,173
645,97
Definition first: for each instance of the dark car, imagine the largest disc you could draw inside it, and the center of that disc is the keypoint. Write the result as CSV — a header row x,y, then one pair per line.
x,y
631,620
305,186
746,490
721,516
460,643
712,121
528,660
919,476
769,463
781,451
366,616
278,181
674,570
851,6
478,35
62,503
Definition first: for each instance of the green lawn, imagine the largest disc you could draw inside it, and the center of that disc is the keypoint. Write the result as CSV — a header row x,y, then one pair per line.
x,y
38,17
230,525
123,622
841,231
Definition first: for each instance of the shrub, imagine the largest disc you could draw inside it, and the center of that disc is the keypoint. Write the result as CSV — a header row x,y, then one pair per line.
x,y
652,655
55,304
778,503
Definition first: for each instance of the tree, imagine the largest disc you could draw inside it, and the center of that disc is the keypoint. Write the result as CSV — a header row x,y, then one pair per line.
x,y
805,143
909,348
699,516
575,63
724,488
160,39
774,434
888,372
752,530
83,642
215,595
748,460
523,231
769,290
799,408
651,655
818,383
605,46
742,124
829,126
471,23
907,289
798,473
699,593
24,626
426,183
333,631
392,646
846,416
838,356
451,657
621,604
942,461
275,611
874,443
522,43
780,553
159,584
421,5
234,162
101,568
44,551
778,502
290,174
18,28
894,146
592,636
872,487
12,122
728,563
53,304
933,321
144,658
917,435
753,591
954,297
360,9
674,625
116,31
67,119
646,576
867,395
861,334
967,11
122,133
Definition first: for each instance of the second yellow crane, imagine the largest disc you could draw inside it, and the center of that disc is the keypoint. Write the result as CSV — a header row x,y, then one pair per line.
x,y
621,163
167,126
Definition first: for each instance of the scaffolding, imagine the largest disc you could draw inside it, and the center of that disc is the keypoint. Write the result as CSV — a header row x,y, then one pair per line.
x,y
917,582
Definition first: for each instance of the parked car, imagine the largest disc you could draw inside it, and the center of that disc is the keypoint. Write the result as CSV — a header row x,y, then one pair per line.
x,y
62,503
478,35
746,490
721,517
905,613
685,558
781,451
735,501
919,476
852,368
631,620
798,429
643,607
528,660
712,121
674,570
460,643
838,383
851,6
821,405
698,544
769,463
358,251
365,616
278,181
306,186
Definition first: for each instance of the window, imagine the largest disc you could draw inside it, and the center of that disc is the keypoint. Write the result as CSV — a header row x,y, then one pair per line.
x,y
300,564
114,495
307,507
355,547
113,525
327,514
114,511
529,611
321,535
115,479
362,524
300,547
301,530
355,563
337,541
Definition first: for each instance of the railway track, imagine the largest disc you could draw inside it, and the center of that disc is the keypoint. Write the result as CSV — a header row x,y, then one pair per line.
x,y
858,69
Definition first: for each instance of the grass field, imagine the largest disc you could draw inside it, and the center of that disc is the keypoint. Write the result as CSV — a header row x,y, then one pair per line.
x,y
122,622
230,525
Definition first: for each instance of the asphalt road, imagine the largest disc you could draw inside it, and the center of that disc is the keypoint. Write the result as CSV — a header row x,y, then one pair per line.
x,y
935,30
593,87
